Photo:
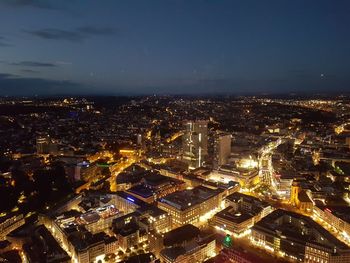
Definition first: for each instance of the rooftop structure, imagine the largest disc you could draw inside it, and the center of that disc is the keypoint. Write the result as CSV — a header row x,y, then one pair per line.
x,y
242,213
189,206
299,238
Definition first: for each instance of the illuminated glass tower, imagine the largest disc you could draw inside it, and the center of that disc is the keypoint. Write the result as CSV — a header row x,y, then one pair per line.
x,y
195,143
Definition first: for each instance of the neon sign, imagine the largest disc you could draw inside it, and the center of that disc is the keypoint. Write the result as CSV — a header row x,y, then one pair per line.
x,y
130,199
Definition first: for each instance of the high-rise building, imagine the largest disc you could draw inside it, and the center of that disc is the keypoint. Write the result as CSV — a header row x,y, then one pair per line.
x,y
222,148
139,139
195,143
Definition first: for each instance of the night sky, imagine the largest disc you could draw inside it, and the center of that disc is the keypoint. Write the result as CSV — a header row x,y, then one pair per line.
x,y
174,47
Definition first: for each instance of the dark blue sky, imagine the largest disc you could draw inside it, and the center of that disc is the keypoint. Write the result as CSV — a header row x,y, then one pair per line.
x,y
180,46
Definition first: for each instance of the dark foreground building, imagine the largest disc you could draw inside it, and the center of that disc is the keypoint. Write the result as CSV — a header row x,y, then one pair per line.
x,y
299,238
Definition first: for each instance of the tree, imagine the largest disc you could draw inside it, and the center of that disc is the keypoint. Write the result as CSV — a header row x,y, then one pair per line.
x,y
227,241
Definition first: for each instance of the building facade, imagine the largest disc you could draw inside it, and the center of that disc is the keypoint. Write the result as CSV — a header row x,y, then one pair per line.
x,y
222,149
195,143
188,206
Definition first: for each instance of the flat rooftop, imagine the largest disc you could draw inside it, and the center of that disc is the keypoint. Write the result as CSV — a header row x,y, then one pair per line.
x,y
181,234
187,198
233,215
236,197
141,190
292,226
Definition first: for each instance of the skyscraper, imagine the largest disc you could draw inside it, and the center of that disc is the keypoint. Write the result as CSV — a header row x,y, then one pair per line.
x,y
139,139
195,143
222,148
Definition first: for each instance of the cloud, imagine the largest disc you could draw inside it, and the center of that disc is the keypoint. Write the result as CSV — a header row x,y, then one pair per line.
x,y
29,71
57,34
33,64
14,85
76,35
91,30
63,63
4,43
45,4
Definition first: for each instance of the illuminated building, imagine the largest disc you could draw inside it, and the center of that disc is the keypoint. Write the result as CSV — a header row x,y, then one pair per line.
x,y
187,244
247,163
195,143
298,238
70,229
131,176
300,198
295,189
242,213
336,216
139,139
175,238
84,171
128,236
143,193
155,186
92,222
284,187
43,144
43,247
142,258
186,207
193,252
222,148
10,222
227,173
283,180
86,247
98,220
157,219
173,168
136,209
126,202
236,255
273,129
155,242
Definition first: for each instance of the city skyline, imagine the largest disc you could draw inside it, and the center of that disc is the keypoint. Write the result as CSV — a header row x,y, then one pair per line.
x,y
168,131
173,47
164,179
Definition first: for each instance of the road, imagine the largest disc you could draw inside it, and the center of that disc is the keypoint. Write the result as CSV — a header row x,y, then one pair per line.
x,y
266,170
118,168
